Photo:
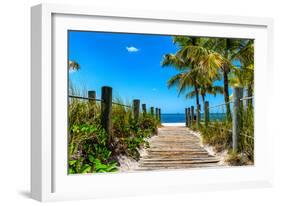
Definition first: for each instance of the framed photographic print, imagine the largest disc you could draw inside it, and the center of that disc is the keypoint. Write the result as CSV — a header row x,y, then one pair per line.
x,y
135,102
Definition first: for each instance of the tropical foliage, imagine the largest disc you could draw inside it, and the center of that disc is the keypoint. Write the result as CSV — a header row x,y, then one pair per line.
x,y
73,66
202,63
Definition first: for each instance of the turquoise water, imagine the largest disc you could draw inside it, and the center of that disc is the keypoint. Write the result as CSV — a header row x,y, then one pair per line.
x,y
180,118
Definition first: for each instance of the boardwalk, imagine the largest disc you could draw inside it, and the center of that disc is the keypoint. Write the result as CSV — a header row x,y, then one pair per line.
x,y
176,148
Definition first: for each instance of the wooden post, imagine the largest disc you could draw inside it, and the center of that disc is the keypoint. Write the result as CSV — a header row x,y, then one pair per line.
x,y
248,102
106,110
236,120
188,117
156,113
136,109
92,95
143,106
245,101
159,114
206,113
92,101
249,94
192,115
152,111
198,116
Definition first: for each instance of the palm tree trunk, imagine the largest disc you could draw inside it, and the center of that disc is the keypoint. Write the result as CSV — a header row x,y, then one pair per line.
x,y
197,99
196,94
226,93
203,98
225,81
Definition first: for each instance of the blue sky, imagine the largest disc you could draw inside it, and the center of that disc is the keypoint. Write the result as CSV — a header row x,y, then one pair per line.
x,y
130,64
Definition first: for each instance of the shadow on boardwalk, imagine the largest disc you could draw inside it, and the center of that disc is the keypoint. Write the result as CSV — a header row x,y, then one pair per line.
x,y
176,147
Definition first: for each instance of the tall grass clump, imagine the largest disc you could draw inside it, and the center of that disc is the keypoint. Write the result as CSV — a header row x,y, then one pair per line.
x,y
219,135
245,152
247,131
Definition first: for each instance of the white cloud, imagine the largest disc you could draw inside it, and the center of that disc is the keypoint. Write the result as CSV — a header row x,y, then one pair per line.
x,y
132,49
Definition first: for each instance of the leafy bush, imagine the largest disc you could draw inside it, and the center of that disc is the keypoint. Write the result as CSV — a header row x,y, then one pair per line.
x,y
132,134
88,151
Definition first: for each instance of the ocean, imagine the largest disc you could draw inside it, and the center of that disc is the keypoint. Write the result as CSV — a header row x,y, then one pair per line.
x,y
180,118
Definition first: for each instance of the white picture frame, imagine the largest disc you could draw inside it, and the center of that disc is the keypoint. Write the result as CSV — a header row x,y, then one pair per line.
x,y
49,179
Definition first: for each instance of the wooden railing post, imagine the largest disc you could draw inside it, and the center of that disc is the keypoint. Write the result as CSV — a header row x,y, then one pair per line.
x,y
192,115
156,113
143,106
92,95
136,109
106,110
159,114
92,101
249,94
236,119
152,111
206,113
198,118
188,117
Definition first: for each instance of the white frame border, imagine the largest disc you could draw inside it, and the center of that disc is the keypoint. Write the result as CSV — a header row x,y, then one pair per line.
x,y
42,83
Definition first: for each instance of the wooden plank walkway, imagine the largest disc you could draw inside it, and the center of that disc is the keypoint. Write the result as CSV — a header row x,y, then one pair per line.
x,y
176,148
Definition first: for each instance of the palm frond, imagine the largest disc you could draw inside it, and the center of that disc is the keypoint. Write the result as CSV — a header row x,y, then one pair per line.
x,y
73,65
190,95
173,60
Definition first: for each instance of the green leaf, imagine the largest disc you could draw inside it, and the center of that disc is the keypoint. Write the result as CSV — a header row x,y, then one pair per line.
x,y
91,158
72,162
71,171
85,168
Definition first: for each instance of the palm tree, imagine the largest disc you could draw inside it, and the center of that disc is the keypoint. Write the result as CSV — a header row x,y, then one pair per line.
x,y
203,62
197,65
227,48
186,78
73,66
246,57
244,75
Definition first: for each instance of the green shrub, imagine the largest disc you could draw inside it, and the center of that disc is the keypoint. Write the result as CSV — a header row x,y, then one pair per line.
x,y
87,149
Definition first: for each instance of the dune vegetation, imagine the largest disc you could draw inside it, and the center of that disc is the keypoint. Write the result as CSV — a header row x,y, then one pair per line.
x,y
90,149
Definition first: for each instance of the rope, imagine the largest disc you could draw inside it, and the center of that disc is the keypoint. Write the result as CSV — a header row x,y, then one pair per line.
x,y
94,99
123,105
228,130
220,105
86,98
246,98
